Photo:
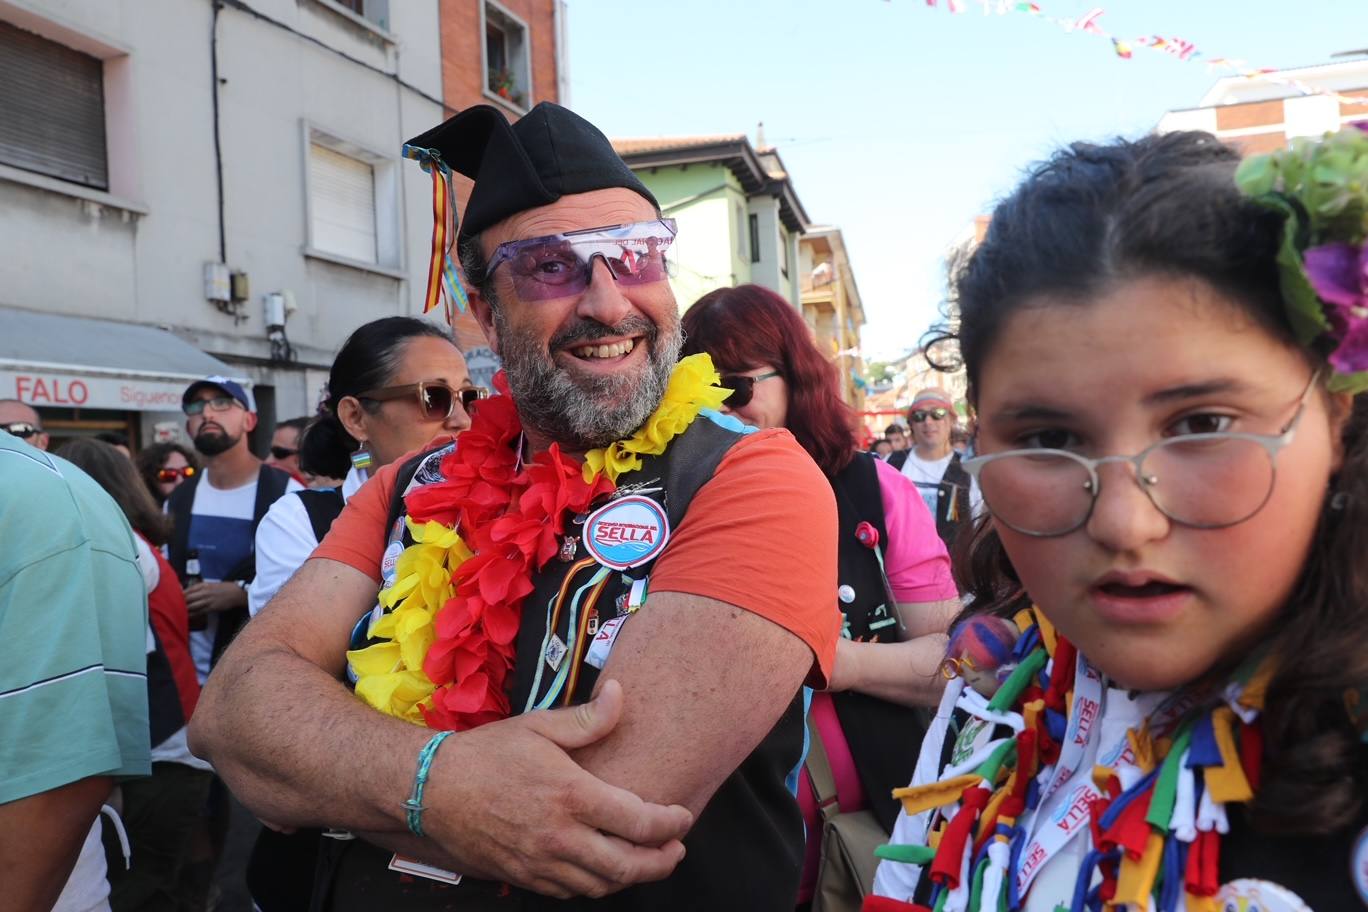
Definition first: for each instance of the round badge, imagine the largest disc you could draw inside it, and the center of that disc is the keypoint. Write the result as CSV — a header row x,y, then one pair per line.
x,y
1358,861
627,532
1250,895
846,595
390,561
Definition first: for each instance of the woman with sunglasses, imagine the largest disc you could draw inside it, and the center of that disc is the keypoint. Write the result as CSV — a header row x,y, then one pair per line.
x,y
397,385
895,592
163,466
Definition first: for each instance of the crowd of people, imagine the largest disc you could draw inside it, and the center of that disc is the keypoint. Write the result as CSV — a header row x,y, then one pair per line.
x,y
644,627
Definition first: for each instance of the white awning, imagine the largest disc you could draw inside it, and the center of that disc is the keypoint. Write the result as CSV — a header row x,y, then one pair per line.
x,y
80,362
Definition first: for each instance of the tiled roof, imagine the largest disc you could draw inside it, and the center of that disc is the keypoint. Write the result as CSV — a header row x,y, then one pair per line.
x,y
671,143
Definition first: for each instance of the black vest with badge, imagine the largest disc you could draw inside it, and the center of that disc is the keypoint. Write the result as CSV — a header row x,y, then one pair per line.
x,y
883,737
745,850
953,509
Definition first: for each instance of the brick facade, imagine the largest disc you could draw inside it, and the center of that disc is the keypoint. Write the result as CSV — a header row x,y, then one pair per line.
x,y
463,84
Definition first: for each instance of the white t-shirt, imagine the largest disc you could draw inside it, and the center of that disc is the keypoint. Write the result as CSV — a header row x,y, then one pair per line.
x,y
1054,885
926,474
284,541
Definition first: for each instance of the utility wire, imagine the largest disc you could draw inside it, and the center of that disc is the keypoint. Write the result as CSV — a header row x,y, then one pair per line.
x,y
243,7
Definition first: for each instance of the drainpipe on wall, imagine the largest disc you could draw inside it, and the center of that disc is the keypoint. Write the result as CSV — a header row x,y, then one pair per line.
x,y
559,12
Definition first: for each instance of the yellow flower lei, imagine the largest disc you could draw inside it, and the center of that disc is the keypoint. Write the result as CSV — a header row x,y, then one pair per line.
x,y
390,674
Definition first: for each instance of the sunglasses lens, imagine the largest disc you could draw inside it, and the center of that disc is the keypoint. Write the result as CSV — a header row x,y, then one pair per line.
x,y
471,395
435,401
743,388
549,270
282,452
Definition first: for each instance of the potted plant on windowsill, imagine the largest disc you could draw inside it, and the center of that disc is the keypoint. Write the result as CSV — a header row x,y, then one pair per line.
x,y
501,83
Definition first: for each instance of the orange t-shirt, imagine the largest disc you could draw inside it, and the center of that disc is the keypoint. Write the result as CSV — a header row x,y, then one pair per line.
x,y
760,535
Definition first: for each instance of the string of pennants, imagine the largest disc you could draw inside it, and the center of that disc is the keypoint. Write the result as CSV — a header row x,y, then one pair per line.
x,y
1181,49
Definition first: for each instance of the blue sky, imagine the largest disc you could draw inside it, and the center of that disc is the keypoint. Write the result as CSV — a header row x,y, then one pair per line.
x,y
899,123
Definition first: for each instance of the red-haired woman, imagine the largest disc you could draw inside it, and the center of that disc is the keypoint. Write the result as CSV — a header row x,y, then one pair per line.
x,y
895,588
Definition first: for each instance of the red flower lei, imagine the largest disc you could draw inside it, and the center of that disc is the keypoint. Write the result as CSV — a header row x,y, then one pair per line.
x,y
512,519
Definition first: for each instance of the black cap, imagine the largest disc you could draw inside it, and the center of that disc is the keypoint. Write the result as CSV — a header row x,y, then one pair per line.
x,y
549,153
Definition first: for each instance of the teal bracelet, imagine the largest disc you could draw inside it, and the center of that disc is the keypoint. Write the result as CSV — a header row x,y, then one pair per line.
x,y
414,804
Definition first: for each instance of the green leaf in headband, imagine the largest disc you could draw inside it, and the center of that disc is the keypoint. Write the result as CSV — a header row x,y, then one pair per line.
x,y
1304,310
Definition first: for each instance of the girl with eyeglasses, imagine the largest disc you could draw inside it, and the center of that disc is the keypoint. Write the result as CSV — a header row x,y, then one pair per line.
x,y
895,590
396,385
1155,697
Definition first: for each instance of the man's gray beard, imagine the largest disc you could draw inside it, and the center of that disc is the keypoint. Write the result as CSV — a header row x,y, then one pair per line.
x,y
583,413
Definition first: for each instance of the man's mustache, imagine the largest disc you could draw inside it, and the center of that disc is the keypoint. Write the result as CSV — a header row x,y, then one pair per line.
x,y
586,331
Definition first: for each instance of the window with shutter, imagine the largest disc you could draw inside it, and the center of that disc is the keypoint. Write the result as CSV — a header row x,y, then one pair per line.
x,y
342,204
52,116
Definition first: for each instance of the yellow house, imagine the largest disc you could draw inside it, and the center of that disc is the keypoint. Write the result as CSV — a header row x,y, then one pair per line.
x,y
832,307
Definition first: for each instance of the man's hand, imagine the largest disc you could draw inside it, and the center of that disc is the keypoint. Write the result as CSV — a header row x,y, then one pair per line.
x,y
203,599
507,802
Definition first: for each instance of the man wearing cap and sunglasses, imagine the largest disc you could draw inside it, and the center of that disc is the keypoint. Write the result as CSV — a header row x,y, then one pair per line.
x,y
216,512
23,422
682,665
934,466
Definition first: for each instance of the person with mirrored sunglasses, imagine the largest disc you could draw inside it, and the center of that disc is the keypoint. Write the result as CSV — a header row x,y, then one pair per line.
x,y
23,421
163,466
894,590
567,782
935,466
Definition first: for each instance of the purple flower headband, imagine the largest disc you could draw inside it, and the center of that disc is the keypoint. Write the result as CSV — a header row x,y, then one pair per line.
x,y
1321,189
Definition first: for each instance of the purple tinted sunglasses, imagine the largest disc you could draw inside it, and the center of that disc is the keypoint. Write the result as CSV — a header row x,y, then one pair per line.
x,y
560,265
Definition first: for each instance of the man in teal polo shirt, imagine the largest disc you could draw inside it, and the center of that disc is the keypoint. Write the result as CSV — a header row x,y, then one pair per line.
x,y
73,669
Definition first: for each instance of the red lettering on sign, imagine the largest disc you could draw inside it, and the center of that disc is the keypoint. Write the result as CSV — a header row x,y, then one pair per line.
x,y
50,391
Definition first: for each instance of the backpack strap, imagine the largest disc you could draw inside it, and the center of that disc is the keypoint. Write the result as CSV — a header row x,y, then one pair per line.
x,y
323,506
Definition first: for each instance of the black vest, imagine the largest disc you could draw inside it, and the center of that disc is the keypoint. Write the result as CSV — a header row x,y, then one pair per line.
x,y
883,737
271,485
952,496
745,850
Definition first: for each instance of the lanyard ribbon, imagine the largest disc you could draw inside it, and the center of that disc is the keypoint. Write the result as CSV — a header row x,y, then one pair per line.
x,y
442,275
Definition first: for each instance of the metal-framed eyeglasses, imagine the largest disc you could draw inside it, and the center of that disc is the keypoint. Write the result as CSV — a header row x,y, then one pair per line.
x,y
1204,481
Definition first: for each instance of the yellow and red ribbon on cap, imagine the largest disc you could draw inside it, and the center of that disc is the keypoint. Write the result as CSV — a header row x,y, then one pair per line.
x,y
441,270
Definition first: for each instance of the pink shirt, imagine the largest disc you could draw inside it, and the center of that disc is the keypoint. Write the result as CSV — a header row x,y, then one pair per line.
x,y
915,559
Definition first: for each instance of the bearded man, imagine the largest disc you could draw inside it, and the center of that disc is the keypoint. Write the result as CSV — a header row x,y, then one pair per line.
x,y
665,601
216,513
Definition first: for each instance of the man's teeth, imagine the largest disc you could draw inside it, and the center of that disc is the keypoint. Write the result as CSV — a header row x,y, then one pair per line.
x,y
616,350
